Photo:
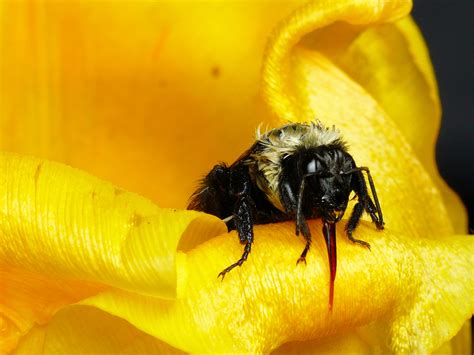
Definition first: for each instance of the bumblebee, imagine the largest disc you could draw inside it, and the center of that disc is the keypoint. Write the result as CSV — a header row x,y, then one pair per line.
x,y
296,172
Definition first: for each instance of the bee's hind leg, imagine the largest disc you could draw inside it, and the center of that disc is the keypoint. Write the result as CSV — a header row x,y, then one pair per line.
x,y
243,215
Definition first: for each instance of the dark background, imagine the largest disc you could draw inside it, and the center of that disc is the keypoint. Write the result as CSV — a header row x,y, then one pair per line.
x,y
447,26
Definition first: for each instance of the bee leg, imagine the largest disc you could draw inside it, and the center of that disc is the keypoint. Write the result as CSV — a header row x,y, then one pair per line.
x,y
302,257
246,253
352,224
243,215
371,210
303,227
291,207
364,203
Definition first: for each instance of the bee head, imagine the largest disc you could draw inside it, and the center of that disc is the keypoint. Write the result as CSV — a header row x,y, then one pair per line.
x,y
326,187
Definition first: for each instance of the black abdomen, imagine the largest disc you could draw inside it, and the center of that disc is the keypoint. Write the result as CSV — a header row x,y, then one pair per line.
x,y
216,196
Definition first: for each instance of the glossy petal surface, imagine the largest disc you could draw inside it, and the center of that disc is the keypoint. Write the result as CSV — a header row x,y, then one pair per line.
x,y
130,91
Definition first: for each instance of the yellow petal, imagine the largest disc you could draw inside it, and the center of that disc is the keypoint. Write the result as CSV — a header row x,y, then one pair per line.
x,y
417,47
322,46
85,330
60,221
404,285
410,293
390,61
146,94
400,179
60,224
28,298
416,291
308,18
306,76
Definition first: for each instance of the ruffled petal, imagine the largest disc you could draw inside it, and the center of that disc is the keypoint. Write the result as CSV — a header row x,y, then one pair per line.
x,y
326,92
59,225
61,221
350,83
387,59
415,294
392,63
428,135
315,15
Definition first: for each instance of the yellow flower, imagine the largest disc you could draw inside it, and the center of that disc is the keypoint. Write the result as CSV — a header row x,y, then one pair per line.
x,y
150,95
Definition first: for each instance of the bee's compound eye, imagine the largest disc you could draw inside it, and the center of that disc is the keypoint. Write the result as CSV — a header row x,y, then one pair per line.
x,y
311,166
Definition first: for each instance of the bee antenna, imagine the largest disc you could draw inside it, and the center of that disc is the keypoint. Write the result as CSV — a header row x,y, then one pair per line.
x,y
299,205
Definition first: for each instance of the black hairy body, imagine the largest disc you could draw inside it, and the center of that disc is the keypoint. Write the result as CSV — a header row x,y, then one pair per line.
x,y
295,172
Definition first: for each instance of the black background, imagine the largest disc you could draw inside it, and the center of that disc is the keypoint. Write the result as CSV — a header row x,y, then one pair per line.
x,y
447,26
